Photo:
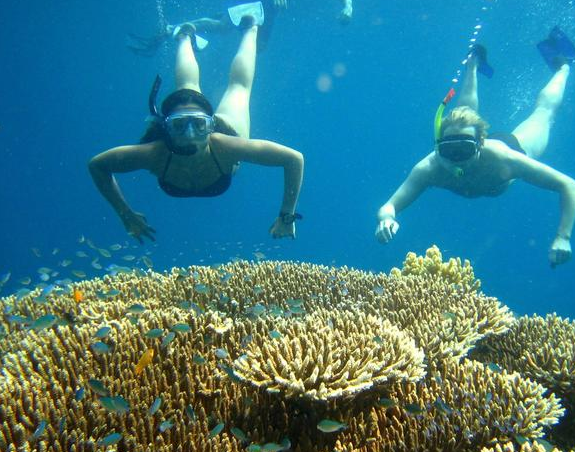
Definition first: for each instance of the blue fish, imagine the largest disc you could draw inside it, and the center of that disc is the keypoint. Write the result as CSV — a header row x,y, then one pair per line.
x,y
155,406
102,332
166,425
181,328
202,288
115,404
191,413
168,338
112,438
216,430
79,394
39,430
136,309
100,348
154,333
46,321
98,387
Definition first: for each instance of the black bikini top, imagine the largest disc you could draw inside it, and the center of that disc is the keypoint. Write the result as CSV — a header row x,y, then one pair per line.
x,y
215,189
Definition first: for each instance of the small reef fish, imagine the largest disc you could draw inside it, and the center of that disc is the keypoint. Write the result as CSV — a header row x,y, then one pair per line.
x,y
129,257
36,252
55,251
112,438
191,413
112,293
198,359
46,321
96,265
449,316
116,247
202,288
79,273
115,404
78,295
221,353
216,430
147,261
168,339
413,408
25,281
39,430
239,434
181,328
65,263
155,406
230,373
146,359
104,252
330,426
272,447
254,448
98,387
102,332
259,255
81,254
442,407
258,290
275,334
378,290
19,319
100,348
494,368
257,310
136,309
79,394
166,425
378,340
385,403
154,333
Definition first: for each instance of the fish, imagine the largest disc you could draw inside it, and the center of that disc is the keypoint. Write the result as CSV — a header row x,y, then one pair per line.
x,y
147,261
254,448
96,265
272,447
116,247
442,407
379,290
112,438
79,394
521,439
39,430
154,333
413,408
258,290
21,293
25,281
102,332
191,413
239,434
546,444
216,430
79,273
36,252
168,338
155,406
65,263
78,295
246,340
385,402
259,255
275,334
136,309
257,309
231,373
115,404
488,397
129,257
181,328
146,359
166,425
494,368
62,425
18,319
202,288
81,239
98,387
104,252
81,254
100,348
330,426
198,359
44,322
378,340
221,353
449,316
112,293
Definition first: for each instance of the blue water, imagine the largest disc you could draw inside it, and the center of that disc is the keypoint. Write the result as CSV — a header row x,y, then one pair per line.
x,y
70,89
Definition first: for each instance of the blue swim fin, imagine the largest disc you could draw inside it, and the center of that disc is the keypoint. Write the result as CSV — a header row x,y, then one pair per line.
x,y
483,66
557,49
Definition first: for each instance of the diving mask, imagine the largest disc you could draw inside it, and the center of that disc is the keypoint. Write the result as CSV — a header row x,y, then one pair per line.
x,y
458,148
189,125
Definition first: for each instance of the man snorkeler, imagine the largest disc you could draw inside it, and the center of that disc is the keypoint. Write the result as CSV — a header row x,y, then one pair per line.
x,y
471,163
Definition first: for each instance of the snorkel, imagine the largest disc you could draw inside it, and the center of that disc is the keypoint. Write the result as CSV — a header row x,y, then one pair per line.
x,y
457,171
152,99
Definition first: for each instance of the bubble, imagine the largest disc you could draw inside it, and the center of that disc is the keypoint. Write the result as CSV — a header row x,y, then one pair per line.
x,y
324,83
339,69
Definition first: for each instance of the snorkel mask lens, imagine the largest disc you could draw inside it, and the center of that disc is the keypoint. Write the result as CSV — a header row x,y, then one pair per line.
x,y
457,148
193,126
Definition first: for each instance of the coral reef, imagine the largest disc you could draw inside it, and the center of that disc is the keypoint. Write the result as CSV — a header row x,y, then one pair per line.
x,y
249,355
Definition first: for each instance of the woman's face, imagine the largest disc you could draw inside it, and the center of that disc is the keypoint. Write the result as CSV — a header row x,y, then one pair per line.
x,y
188,134
459,141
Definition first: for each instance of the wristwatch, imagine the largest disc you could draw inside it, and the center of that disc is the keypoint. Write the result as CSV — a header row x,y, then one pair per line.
x,y
289,218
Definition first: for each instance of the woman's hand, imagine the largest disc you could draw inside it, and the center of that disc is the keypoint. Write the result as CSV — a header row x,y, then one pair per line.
x,y
280,229
386,229
560,251
137,226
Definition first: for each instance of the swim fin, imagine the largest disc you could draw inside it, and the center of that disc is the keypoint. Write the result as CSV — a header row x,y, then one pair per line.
x,y
254,9
483,66
557,49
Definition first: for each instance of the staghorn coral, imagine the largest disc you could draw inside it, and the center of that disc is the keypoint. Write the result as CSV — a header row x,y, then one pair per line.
x,y
231,310
330,356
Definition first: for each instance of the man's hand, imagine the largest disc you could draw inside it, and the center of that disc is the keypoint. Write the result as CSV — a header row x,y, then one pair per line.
x,y
560,251
386,229
280,229
138,227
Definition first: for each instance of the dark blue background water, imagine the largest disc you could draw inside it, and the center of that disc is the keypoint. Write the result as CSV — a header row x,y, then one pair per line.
x,y
70,89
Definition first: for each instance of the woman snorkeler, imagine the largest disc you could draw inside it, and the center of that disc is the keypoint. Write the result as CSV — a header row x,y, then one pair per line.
x,y
193,150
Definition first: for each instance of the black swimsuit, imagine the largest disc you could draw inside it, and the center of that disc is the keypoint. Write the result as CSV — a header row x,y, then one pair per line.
x,y
215,189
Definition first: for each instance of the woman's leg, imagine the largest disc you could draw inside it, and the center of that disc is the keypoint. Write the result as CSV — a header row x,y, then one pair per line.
x,y
187,69
533,133
468,96
234,107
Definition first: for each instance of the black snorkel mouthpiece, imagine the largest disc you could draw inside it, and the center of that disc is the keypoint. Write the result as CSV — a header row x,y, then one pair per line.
x,y
152,98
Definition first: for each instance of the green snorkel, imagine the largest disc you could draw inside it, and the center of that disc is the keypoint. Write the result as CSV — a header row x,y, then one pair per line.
x,y
457,172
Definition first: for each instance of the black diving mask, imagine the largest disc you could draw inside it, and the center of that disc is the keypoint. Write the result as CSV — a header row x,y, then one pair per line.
x,y
458,148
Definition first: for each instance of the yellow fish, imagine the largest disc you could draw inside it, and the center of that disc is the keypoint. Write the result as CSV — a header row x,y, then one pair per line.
x,y
78,296
144,360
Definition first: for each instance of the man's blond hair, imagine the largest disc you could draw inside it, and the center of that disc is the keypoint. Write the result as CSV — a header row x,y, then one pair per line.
x,y
462,117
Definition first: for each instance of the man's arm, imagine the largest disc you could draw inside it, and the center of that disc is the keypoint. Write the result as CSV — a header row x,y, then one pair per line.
x,y
541,175
418,180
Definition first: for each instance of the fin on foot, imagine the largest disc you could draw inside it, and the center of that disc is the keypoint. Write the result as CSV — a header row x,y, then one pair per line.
x,y
557,49
483,66
239,13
